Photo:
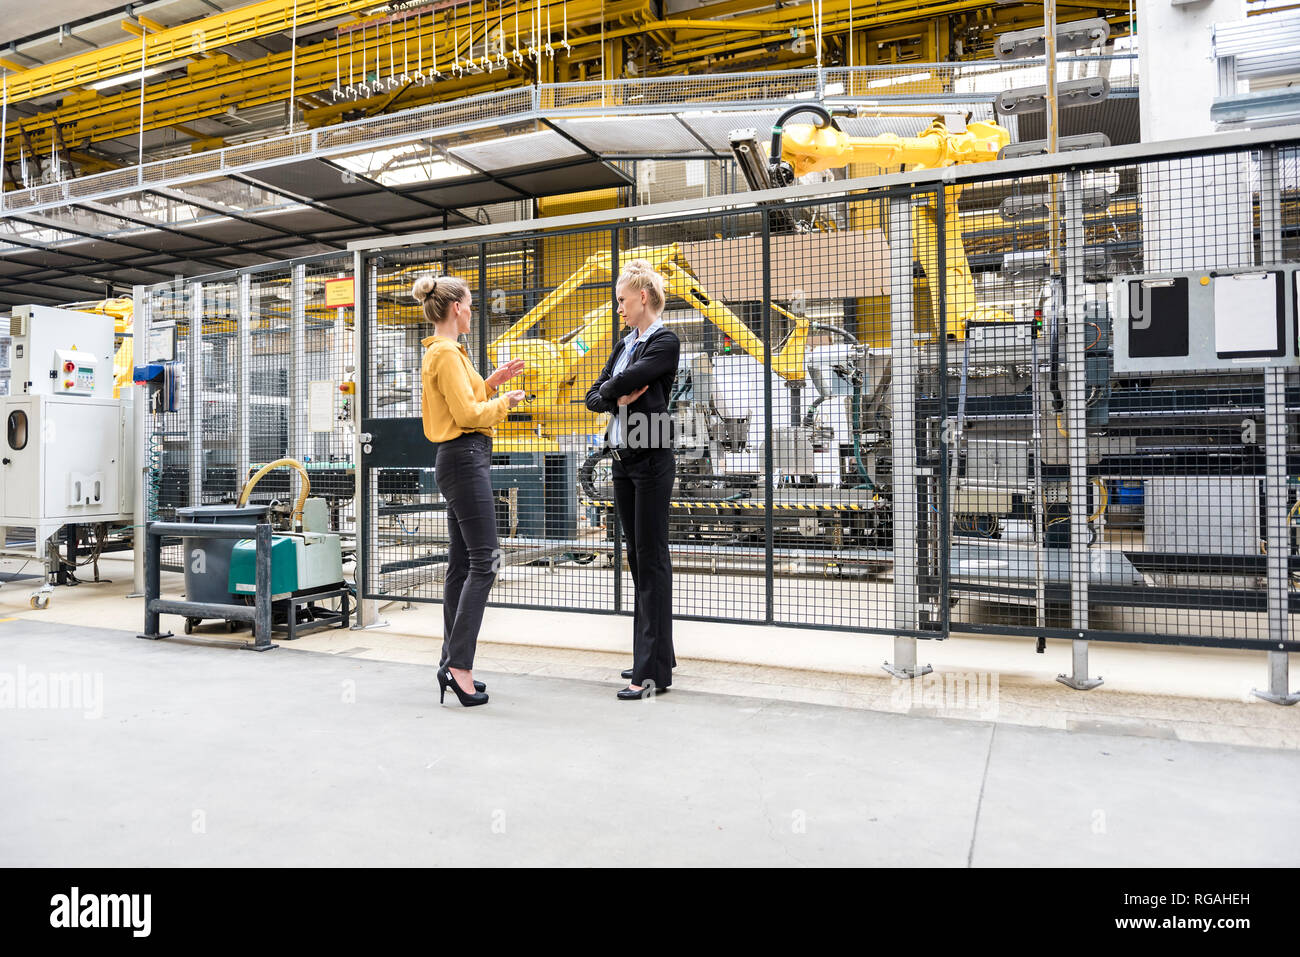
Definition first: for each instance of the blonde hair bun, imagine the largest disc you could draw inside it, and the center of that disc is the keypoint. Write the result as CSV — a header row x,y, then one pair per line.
x,y
640,274
423,286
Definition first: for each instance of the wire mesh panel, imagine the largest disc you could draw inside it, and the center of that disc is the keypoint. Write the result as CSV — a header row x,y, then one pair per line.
x,y
1120,442
269,359
713,269
238,391
169,439
1053,404
830,462
549,303
406,538
323,435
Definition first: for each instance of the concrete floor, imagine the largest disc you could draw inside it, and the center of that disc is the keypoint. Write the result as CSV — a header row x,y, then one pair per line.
x,y
207,755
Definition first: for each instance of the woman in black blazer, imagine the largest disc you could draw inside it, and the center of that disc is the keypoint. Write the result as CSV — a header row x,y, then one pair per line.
x,y
635,386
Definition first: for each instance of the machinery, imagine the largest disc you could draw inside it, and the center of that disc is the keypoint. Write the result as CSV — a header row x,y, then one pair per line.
x,y
306,558
831,479
720,467
830,412
68,451
805,148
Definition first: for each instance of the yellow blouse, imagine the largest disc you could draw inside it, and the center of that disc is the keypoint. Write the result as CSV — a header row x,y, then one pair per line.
x,y
454,399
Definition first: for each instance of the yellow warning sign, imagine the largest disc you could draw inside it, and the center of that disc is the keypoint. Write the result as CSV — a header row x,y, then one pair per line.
x,y
339,293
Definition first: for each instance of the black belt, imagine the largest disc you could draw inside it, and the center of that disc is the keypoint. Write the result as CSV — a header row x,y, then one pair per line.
x,y
627,455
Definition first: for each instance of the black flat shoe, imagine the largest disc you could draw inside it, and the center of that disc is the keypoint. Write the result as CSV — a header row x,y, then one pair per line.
x,y
445,678
631,694
626,675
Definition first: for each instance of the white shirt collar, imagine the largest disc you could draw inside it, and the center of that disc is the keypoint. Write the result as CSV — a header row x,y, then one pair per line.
x,y
634,336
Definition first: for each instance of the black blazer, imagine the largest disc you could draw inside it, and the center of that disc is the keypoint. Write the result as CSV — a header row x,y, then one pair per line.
x,y
655,365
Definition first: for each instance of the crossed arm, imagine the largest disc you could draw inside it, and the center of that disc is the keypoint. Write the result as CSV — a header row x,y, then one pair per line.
x,y
657,359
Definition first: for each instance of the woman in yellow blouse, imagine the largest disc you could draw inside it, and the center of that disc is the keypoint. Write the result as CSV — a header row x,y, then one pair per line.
x,y
459,409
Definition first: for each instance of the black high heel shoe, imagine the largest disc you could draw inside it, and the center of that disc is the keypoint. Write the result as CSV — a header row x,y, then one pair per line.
x,y
478,685
445,678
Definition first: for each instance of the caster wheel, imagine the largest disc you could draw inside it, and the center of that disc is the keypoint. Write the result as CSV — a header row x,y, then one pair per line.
x,y
189,625
232,625
40,601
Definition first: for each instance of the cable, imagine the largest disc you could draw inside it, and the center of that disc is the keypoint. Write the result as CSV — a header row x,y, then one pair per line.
x,y
1105,500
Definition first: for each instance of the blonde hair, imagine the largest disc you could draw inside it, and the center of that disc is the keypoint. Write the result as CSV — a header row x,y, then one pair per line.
x,y
437,293
639,274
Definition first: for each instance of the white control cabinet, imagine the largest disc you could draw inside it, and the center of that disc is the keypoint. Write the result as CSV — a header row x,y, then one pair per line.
x,y
62,461
66,445
61,352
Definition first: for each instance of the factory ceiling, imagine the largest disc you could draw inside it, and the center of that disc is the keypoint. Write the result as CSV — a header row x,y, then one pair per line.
x,y
283,128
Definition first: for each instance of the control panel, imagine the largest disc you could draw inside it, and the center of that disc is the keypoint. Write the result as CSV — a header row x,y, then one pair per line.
x,y
74,372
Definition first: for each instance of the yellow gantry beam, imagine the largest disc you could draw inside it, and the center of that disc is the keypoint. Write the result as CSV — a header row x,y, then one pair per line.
x,y
187,40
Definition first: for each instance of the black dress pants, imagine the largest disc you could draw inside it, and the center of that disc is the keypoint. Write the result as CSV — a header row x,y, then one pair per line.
x,y
462,470
643,487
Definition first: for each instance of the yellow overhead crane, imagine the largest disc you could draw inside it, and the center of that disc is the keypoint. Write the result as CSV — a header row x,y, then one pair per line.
x,y
804,148
559,370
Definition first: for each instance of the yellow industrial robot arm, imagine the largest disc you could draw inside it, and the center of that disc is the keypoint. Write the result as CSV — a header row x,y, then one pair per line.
x,y
804,148
809,148
787,361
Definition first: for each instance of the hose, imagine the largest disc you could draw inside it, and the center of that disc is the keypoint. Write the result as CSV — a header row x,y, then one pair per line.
x,y
780,172
848,337
815,376
291,463
855,426
587,473
1104,499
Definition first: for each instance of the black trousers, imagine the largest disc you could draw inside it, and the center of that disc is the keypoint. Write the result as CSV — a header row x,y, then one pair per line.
x,y
462,470
643,486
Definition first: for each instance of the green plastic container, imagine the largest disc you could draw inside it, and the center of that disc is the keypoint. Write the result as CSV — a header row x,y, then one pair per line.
x,y
284,567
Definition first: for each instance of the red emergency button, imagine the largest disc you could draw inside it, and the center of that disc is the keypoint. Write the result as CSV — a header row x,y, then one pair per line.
x,y
68,383
68,366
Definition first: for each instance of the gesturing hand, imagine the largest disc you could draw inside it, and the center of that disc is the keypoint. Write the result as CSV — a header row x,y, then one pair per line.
x,y
505,373
514,398
632,396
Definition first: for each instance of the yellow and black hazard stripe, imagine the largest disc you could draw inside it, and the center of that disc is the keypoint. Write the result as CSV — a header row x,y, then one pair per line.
x,y
776,506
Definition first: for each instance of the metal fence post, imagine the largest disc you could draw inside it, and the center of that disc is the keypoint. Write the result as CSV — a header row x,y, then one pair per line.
x,y
152,584
262,626
363,274
1076,417
1275,439
769,531
613,341
194,394
299,437
903,425
243,377
139,467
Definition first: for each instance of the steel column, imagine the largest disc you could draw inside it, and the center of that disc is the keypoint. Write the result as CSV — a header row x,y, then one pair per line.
x,y
140,517
194,392
298,437
1076,417
365,274
243,378
1275,448
903,401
